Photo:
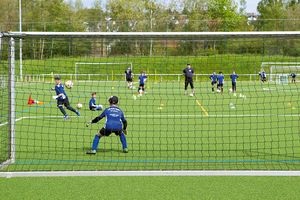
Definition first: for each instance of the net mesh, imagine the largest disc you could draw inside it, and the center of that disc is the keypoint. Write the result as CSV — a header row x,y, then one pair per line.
x,y
256,127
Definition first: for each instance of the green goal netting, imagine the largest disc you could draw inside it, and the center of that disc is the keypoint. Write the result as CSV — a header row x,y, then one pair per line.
x,y
254,126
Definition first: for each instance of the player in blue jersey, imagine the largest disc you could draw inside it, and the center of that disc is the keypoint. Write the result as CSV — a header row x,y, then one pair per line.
x,y
213,79
293,75
188,73
233,78
142,79
92,104
220,82
62,98
115,123
263,76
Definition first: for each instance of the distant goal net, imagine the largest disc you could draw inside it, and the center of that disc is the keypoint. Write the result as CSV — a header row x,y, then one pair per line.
x,y
281,72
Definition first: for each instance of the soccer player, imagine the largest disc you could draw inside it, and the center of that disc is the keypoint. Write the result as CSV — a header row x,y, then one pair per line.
x,y
220,82
129,78
188,73
142,79
263,76
293,75
213,79
62,98
92,104
233,78
115,123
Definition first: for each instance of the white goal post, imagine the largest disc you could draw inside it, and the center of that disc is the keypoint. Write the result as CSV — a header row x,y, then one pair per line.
x,y
77,64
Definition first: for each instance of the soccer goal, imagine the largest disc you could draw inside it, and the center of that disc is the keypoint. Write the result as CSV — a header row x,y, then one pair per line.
x,y
101,70
281,71
176,125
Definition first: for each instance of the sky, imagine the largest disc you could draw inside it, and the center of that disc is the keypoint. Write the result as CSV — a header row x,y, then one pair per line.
x,y
251,5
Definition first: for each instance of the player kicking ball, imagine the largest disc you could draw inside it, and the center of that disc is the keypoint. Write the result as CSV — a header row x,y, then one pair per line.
x,y
115,123
62,98
92,104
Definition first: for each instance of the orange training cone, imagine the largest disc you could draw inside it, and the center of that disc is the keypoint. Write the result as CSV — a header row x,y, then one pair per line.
x,y
32,101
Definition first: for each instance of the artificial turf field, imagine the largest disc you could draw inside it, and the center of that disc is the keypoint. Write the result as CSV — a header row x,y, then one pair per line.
x,y
256,129
150,188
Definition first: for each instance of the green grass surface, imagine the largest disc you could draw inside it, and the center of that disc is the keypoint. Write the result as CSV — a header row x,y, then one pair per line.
x,y
167,130
151,188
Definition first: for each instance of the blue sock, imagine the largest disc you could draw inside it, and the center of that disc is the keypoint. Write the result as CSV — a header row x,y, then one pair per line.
x,y
96,142
123,141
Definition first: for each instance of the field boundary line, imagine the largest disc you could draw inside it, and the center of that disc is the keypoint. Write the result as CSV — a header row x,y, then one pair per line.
x,y
150,173
168,116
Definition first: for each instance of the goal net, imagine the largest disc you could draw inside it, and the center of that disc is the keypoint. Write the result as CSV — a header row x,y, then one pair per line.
x,y
173,122
281,71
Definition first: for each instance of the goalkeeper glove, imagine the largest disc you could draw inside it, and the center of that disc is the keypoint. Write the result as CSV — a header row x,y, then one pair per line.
x,y
54,97
125,132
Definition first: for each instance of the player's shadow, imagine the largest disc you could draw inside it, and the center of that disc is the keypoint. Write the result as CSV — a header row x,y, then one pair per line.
x,y
85,149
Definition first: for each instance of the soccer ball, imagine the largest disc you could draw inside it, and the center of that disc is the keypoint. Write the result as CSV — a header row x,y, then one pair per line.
x,y
69,84
79,105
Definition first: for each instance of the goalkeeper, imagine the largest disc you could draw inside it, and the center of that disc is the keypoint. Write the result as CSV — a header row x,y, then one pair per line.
x,y
115,123
62,98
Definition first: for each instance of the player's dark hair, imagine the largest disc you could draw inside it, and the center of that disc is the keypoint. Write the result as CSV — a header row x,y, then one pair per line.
x,y
57,77
113,100
94,93
220,72
188,64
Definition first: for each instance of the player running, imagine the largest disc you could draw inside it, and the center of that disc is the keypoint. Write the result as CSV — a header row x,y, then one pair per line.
x,y
62,98
115,123
188,73
263,76
220,82
293,75
213,79
129,78
233,78
142,79
92,104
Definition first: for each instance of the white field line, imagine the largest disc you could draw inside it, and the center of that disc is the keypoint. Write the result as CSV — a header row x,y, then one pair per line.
x,y
151,173
157,116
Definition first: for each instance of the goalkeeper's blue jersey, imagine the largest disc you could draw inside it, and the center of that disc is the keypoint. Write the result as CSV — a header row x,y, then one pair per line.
x,y
114,118
59,89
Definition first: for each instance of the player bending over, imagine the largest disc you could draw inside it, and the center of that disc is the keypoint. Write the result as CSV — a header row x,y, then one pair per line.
x,y
188,73
129,78
62,98
142,79
92,104
220,82
233,78
115,123
213,79
293,75
263,76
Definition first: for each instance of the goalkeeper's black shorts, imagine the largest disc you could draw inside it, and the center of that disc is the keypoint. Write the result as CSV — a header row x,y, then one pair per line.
x,y
64,102
107,132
